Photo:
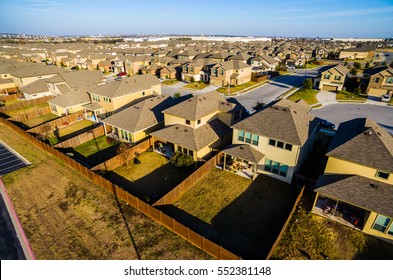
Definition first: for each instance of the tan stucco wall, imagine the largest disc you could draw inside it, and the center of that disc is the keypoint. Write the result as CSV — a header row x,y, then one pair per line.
x,y
7,86
338,166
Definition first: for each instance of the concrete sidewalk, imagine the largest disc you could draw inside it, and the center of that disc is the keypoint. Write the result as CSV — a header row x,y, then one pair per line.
x,y
327,98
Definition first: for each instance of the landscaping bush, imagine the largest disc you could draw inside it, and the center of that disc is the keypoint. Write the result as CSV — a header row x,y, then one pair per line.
x,y
52,139
307,84
179,159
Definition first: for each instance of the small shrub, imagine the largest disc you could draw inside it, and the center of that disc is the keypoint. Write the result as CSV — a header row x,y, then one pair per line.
x,y
192,80
52,139
307,84
177,95
357,65
179,160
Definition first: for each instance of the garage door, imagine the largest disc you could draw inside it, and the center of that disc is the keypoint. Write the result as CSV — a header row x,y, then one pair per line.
x,y
376,92
329,88
217,83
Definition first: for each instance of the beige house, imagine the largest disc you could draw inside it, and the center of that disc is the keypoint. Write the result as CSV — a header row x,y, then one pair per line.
x,y
199,125
362,52
168,72
27,75
116,95
357,186
230,72
274,141
378,80
331,78
70,102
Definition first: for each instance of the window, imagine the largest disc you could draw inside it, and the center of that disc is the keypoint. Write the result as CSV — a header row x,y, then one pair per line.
x,y
280,144
288,147
337,78
376,80
248,137
188,122
389,80
185,151
241,136
53,107
190,153
222,72
381,174
276,167
191,69
381,223
327,76
237,116
143,93
198,121
390,231
179,148
272,142
255,140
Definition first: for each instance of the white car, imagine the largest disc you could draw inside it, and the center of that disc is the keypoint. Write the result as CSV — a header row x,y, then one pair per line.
x,y
385,98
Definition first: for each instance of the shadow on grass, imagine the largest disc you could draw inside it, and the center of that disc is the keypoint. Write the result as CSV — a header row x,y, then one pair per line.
x,y
76,133
154,185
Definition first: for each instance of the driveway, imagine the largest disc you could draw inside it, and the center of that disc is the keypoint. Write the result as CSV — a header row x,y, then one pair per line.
x,y
326,97
341,112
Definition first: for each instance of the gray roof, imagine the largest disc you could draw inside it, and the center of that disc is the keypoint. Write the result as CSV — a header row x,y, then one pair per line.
x,y
71,98
193,139
357,190
35,87
93,106
142,115
244,151
286,121
233,64
127,85
363,141
200,106
37,70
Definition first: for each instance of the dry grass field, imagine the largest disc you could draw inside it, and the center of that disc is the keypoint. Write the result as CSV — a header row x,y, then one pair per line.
x,y
67,216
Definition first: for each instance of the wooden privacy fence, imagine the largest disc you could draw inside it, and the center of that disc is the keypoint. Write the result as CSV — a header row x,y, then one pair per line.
x,y
60,122
24,104
82,138
31,114
119,160
184,186
199,241
6,97
299,197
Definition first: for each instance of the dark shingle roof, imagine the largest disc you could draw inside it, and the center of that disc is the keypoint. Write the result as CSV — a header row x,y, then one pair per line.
x,y
38,70
71,98
193,139
363,141
126,86
286,121
360,191
35,87
244,151
200,106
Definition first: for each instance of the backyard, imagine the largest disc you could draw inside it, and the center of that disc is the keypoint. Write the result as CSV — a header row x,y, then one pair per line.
x,y
309,236
308,95
151,179
75,128
67,216
27,108
40,120
243,216
96,151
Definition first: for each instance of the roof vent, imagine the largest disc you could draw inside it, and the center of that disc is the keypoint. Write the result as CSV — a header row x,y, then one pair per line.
x,y
379,133
368,132
241,148
189,100
374,186
276,108
185,130
177,128
199,99
204,98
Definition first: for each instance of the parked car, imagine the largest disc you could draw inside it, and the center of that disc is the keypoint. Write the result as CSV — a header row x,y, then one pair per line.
x,y
122,74
326,124
385,98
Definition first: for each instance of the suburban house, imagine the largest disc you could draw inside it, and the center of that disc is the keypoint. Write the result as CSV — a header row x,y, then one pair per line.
x,y
357,185
133,64
36,89
361,52
274,141
263,64
378,81
199,125
230,73
197,70
168,72
27,75
331,78
117,95
70,101
134,123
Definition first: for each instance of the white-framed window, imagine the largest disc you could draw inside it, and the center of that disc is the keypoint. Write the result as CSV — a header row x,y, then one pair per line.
x,y
280,144
248,138
389,80
337,78
327,76
188,122
383,224
199,121
276,167
376,80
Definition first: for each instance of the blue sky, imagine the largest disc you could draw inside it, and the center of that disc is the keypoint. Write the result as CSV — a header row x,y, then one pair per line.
x,y
304,18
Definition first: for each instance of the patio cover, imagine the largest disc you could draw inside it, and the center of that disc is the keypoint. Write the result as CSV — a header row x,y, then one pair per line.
x,y
244,151
93,106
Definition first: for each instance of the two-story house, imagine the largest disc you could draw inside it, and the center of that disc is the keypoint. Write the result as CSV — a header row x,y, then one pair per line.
x,y
331,78
263,64
276,140
119,94
199,125
378,81
27,75
197,70
230,73
357,185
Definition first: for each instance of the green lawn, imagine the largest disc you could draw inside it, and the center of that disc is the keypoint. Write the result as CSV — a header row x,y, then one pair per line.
x,y
75,127
309,236
308,95
151,179
344,95
27,108
233,89
196,85
12,102
94,146
40,120
311,66
169,82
